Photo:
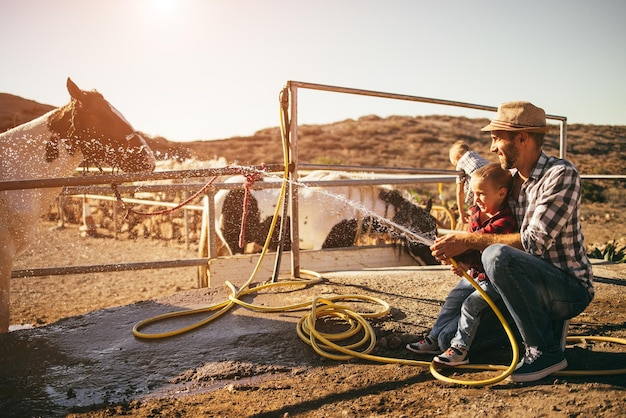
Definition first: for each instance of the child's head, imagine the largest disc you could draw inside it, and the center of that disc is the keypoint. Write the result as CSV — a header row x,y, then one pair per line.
x,y
457,150
491,184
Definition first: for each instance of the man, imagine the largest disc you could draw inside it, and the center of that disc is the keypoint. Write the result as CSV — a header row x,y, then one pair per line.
x,y
542,272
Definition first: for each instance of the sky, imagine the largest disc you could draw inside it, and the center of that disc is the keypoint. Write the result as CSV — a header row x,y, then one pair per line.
x,y
212,69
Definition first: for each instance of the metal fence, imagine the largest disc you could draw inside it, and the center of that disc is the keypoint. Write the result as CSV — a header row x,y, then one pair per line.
x,y
91,187
92,184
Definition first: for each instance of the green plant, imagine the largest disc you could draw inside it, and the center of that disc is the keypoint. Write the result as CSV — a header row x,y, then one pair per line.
x,y
592,192
611,251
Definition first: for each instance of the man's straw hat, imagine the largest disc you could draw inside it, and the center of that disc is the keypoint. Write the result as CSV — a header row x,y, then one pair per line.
x,y
518,116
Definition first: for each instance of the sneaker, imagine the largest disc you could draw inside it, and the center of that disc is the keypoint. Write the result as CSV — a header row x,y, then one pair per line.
x,y
425,346
454,356
538,365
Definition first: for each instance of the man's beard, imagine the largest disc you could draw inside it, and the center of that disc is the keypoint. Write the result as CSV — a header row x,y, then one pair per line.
x,y
508,157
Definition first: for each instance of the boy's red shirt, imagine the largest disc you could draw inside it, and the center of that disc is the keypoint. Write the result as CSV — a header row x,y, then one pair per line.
x,y
503,222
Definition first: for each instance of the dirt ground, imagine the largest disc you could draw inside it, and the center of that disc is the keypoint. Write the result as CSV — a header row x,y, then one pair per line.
x,y
269,372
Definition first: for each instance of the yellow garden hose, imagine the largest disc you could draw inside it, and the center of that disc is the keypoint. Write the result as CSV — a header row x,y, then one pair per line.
x,y
507,329
358,339
328,346
220,309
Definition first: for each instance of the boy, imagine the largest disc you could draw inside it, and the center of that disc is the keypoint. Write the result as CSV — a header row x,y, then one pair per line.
x,y
467,161
459,318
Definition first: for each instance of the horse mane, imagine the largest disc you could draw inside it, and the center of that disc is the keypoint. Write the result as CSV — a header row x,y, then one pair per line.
x,y
61,123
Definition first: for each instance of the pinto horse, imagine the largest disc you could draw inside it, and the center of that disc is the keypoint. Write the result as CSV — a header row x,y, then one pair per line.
x,y
328,218
86,129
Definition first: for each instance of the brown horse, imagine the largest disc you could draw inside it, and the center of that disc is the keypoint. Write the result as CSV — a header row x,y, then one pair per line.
x,y
86,129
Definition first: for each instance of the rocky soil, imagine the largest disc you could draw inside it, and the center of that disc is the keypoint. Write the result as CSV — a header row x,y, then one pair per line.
x,y
264,379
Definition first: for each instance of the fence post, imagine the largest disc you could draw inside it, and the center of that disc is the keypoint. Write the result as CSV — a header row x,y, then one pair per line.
x,y
60,202
203,247
89,226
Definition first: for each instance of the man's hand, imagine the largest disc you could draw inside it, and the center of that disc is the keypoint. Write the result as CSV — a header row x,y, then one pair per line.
x,y
449,245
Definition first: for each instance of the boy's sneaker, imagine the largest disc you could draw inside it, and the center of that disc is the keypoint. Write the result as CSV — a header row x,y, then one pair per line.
x,y
454,356
425,346
537,365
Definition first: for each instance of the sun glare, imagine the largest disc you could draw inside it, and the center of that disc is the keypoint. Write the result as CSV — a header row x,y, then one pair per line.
x,y
162,7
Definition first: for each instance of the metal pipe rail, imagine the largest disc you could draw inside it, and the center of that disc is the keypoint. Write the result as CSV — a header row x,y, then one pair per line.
x,y
603,176
417,175
130,177
142,202
373,93
562,120
377,169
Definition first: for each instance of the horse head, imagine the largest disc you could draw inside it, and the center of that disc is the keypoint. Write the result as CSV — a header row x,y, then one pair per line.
x,y
417,220
92,125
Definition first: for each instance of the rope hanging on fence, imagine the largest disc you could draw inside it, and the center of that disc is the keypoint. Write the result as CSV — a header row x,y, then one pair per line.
x,y
251,178
130,210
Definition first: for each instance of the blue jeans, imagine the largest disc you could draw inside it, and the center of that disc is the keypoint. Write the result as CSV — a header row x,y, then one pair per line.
x,y
471,310
448,319
537,294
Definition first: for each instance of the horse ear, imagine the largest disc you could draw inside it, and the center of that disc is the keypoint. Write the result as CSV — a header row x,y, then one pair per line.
x,y
429,205
74,91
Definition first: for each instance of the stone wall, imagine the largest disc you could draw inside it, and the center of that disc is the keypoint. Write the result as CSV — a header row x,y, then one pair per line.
x,y
104,220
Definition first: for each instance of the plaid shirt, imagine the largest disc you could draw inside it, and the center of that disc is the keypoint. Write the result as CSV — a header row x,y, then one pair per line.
x,y
503,222
548,212
468,163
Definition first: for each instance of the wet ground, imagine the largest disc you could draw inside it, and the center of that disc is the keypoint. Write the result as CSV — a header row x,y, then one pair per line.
x,y
89,361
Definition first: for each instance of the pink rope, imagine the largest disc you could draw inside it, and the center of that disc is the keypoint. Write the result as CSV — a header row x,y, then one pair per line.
x,y
251,178
164,211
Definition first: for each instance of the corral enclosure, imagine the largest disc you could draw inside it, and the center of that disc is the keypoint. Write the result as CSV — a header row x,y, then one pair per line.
x,y
352,384
397,141
416,141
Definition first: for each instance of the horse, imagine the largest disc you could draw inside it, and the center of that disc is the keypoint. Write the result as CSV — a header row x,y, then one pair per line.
x,y
332,217
87,129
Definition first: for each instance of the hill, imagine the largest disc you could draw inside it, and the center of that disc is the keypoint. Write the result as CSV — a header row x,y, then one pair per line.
x,y
15,111
407,141
395,141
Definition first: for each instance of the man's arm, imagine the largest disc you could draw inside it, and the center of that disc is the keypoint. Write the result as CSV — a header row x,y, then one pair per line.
x,y
452,245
